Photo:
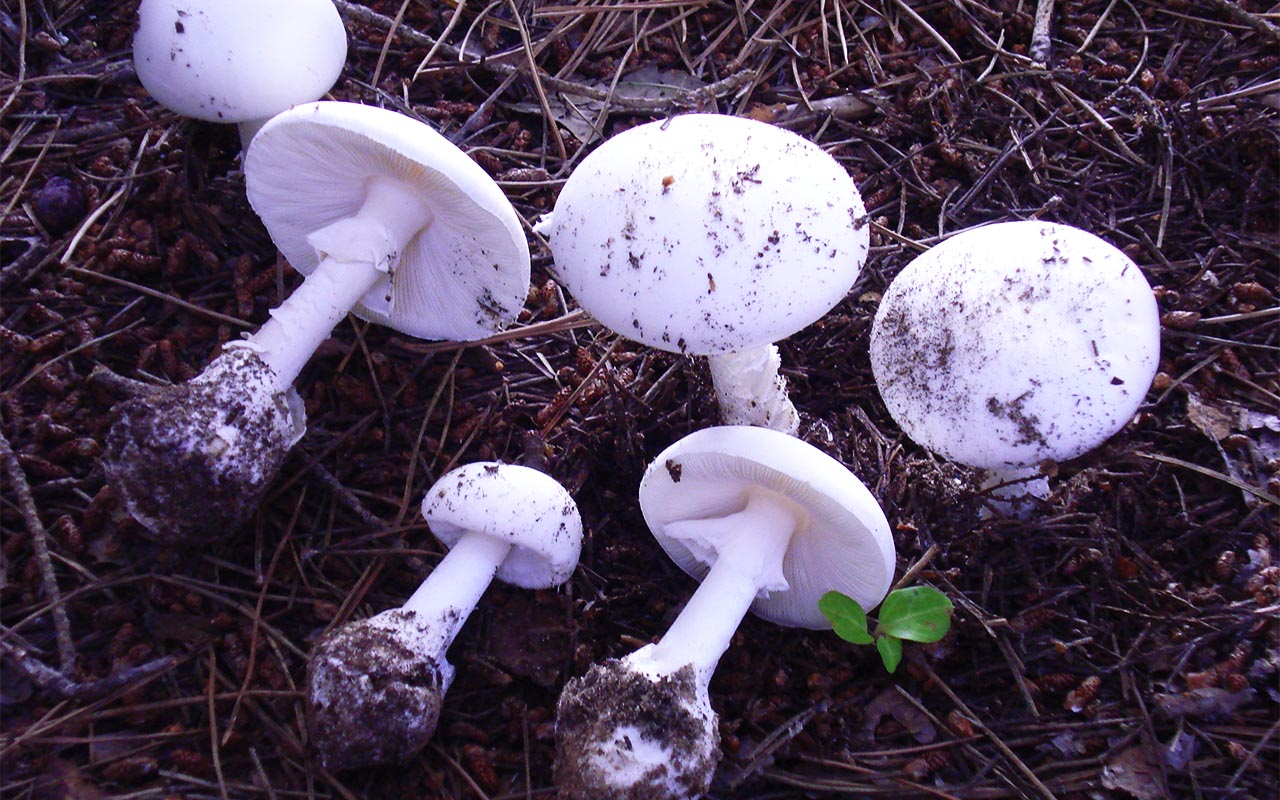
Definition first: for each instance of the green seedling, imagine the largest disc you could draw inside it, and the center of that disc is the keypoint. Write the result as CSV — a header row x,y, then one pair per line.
x,y
917,614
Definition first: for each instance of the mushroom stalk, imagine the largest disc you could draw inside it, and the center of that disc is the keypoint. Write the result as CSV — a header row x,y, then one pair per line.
x,y
1013,491
746,566
355,251
450,593
752,391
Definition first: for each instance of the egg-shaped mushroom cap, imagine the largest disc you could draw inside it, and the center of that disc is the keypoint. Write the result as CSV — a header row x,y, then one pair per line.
x,y
842,540
1016,343
465,275
236,60
707,234
516,504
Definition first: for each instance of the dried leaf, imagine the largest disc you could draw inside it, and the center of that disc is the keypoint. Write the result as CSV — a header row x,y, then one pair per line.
x,y
1137,772
913,719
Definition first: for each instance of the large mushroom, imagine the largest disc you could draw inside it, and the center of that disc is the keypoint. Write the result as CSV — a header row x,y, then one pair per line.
x,y
388,221
238,61
711,235
1016,344
769,524
374,687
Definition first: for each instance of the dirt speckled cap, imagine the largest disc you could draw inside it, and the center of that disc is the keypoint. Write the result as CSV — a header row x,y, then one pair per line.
x,y
516,504
1016,343
708,234
237,60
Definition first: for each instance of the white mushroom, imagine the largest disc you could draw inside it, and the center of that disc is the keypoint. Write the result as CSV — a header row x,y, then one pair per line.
x,y
238,61
388,221
711,235
769,524
1013,345
374,687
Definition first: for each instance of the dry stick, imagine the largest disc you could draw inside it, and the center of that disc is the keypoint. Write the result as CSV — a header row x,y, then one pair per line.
x,y
1236,14
1040,44
1027,772
40,541
51,680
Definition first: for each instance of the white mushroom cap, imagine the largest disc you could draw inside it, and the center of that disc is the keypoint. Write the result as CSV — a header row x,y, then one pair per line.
x,y
1016,343
237,60
515,504
708,234
463,276
842,541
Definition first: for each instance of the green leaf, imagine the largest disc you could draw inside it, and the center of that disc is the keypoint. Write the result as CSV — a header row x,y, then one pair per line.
x,y
918,614
890,648
846,616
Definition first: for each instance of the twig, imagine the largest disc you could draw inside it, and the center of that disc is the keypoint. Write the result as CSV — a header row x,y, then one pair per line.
x,y
346,497
1040,43
53,681
115,382
40,543
1261,494
1235,13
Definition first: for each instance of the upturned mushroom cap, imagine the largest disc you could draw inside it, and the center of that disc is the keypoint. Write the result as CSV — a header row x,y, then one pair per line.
x,y
373,694
516,504
842,542
624,735
1016,343
237,60
465,275
708,234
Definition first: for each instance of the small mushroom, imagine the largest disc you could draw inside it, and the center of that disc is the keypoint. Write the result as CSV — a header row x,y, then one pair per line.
x,y
769,524
711,235
388,221
375,687
1016,344
238,61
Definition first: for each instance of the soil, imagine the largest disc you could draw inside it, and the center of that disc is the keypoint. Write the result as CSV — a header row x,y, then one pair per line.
x,y
1122,643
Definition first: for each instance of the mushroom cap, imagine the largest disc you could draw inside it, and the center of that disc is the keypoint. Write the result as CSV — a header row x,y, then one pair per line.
x,y
463,276
517,504
237,60
842,542
707,234
1016,343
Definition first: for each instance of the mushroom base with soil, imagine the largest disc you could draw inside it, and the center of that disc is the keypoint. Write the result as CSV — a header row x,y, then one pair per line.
x,y
373,695
197,458
623,734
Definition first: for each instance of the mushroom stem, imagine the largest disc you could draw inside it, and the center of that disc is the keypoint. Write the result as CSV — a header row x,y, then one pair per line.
x,y
355,251
1013,491
752,391
450,593
745,567
249,129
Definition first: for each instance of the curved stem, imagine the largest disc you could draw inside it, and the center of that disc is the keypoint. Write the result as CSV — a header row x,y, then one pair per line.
x,y
750,545
450,593
354,252
305,319
751,391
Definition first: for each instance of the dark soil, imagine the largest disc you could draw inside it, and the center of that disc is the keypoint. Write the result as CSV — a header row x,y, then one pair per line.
x,y
1122,643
